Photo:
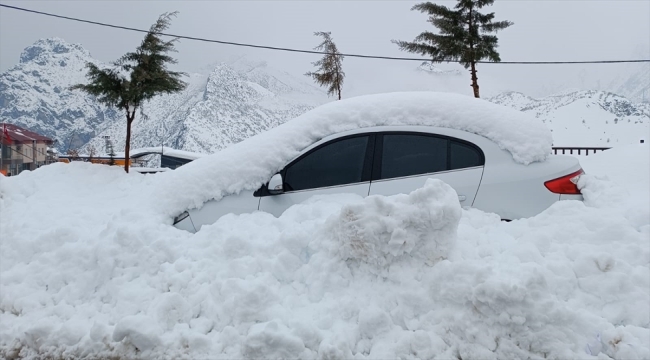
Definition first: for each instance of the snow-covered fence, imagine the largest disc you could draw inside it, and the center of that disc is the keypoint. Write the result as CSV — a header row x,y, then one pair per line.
x,y
578,149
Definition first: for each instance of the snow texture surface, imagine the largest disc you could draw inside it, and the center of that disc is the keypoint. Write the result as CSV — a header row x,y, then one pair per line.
x,y
90,268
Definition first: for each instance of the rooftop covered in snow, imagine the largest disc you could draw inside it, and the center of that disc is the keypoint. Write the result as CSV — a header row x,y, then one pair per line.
x,y
163,150
20,135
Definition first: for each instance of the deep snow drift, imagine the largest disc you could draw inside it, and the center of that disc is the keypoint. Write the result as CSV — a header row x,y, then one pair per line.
x,y
89,268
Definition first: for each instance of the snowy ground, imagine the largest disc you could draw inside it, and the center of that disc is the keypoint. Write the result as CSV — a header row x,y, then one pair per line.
x,y
89,267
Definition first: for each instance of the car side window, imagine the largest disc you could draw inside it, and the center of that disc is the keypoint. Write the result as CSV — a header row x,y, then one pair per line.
x,y
336,163
412,154
464,155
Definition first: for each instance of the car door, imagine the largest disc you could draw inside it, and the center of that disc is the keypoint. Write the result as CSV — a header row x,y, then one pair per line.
x,y
338,166
405,160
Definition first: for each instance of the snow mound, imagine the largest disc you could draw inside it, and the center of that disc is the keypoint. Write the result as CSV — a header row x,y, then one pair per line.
x,y
380,230
89,270
138,330
272,340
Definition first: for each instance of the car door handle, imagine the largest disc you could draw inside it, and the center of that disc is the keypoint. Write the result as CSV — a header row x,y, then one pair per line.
x,y
462,197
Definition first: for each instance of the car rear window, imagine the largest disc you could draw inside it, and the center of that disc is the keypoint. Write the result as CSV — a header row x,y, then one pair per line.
x,y
464,155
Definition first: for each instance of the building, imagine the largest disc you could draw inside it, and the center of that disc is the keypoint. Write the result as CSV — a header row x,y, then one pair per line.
x,y
23,150
169,158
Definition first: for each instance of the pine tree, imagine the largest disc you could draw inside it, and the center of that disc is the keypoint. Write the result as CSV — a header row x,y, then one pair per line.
x,y
462,35
330,72
137,77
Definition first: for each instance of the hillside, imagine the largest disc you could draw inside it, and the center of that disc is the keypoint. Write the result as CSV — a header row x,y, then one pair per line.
x,y
586,118
222,104
229,101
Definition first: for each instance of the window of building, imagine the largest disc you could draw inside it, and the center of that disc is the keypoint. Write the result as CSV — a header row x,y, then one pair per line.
x,y
6,152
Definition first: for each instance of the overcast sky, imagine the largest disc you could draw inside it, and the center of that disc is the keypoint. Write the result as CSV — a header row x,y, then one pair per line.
x,y
544,30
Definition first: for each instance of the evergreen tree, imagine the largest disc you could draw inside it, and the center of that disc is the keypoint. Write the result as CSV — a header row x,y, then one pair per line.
x,y
137,77
462,35
330,72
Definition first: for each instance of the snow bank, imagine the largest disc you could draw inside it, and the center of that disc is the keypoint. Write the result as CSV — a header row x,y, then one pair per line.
x,y
608,170
249,164
379,229
89,269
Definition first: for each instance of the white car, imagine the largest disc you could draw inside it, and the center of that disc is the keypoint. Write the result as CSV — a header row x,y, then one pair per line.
x,y
387,160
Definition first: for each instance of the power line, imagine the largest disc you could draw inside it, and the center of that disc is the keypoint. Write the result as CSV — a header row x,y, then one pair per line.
x,y
311,51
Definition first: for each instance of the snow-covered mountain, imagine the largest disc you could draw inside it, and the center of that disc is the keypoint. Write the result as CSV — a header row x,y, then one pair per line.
x,y
222,104
636,85
232,100
586,118
431,68
35,94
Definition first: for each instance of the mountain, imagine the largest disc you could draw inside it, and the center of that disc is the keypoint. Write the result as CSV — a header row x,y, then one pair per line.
x,y
221,106
636,85
223,103
35,94
229,101
585,118
633,80
431,68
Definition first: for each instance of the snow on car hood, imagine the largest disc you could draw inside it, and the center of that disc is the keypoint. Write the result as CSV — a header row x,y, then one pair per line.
x,y
250,163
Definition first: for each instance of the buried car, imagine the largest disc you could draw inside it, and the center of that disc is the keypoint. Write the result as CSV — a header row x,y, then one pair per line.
x,y
496,159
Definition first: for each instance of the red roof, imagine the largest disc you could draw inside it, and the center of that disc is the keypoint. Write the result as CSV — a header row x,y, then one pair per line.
x,y
20,135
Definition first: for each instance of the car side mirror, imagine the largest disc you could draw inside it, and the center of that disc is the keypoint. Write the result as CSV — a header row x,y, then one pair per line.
x,y
275,185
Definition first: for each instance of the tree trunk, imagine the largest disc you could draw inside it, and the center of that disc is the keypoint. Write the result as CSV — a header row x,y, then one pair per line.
x,y
338,87
473,55
127,146
338,81
474,80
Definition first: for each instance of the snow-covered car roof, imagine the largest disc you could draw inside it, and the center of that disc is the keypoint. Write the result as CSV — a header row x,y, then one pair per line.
x,y
250,163
526,138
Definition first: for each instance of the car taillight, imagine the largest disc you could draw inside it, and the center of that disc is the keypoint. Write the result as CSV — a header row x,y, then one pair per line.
x,y
566,184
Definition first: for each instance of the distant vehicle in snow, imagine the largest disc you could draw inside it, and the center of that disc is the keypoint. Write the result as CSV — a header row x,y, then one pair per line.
x,y
387,160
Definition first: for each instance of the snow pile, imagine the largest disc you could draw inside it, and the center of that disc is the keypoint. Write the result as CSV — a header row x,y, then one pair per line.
x,y
89,269
379,229
625,165
252,162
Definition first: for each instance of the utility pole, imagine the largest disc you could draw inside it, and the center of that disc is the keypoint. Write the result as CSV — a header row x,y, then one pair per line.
x,y
109,149
34,155
70,140
162,139
2,147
